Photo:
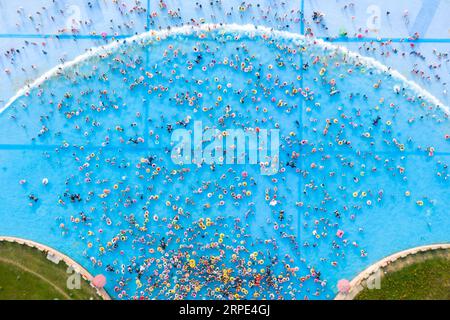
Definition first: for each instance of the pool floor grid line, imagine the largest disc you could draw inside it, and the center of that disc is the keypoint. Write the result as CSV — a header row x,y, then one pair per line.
x,y
146,147
300,130
66,36
302,17
147,60
123,36
58,148
148,15
384,39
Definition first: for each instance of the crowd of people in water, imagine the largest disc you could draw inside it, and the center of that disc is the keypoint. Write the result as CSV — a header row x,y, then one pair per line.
x,y
160,230
429,68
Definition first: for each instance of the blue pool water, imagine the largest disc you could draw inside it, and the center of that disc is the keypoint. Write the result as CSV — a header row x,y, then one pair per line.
x,y
362,152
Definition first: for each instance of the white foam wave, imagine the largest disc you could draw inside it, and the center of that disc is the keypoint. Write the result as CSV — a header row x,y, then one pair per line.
x,y
249,29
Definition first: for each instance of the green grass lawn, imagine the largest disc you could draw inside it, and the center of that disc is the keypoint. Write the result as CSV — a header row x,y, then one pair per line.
x,y
26,274
424,280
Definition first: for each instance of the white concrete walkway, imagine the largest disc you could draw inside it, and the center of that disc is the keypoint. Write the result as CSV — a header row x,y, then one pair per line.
x,y
357,284
70,262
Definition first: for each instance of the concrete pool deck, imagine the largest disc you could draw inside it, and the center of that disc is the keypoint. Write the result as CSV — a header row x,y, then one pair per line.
x,y
359,282
55,257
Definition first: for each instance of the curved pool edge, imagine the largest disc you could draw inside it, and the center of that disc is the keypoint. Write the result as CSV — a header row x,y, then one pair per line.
x,y
355,284
69,261
232,27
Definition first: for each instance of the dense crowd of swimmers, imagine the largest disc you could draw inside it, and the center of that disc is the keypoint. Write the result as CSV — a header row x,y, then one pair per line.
x,y
199,240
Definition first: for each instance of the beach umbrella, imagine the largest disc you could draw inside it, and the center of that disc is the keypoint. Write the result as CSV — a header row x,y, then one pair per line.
x,y
343,286
99,281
